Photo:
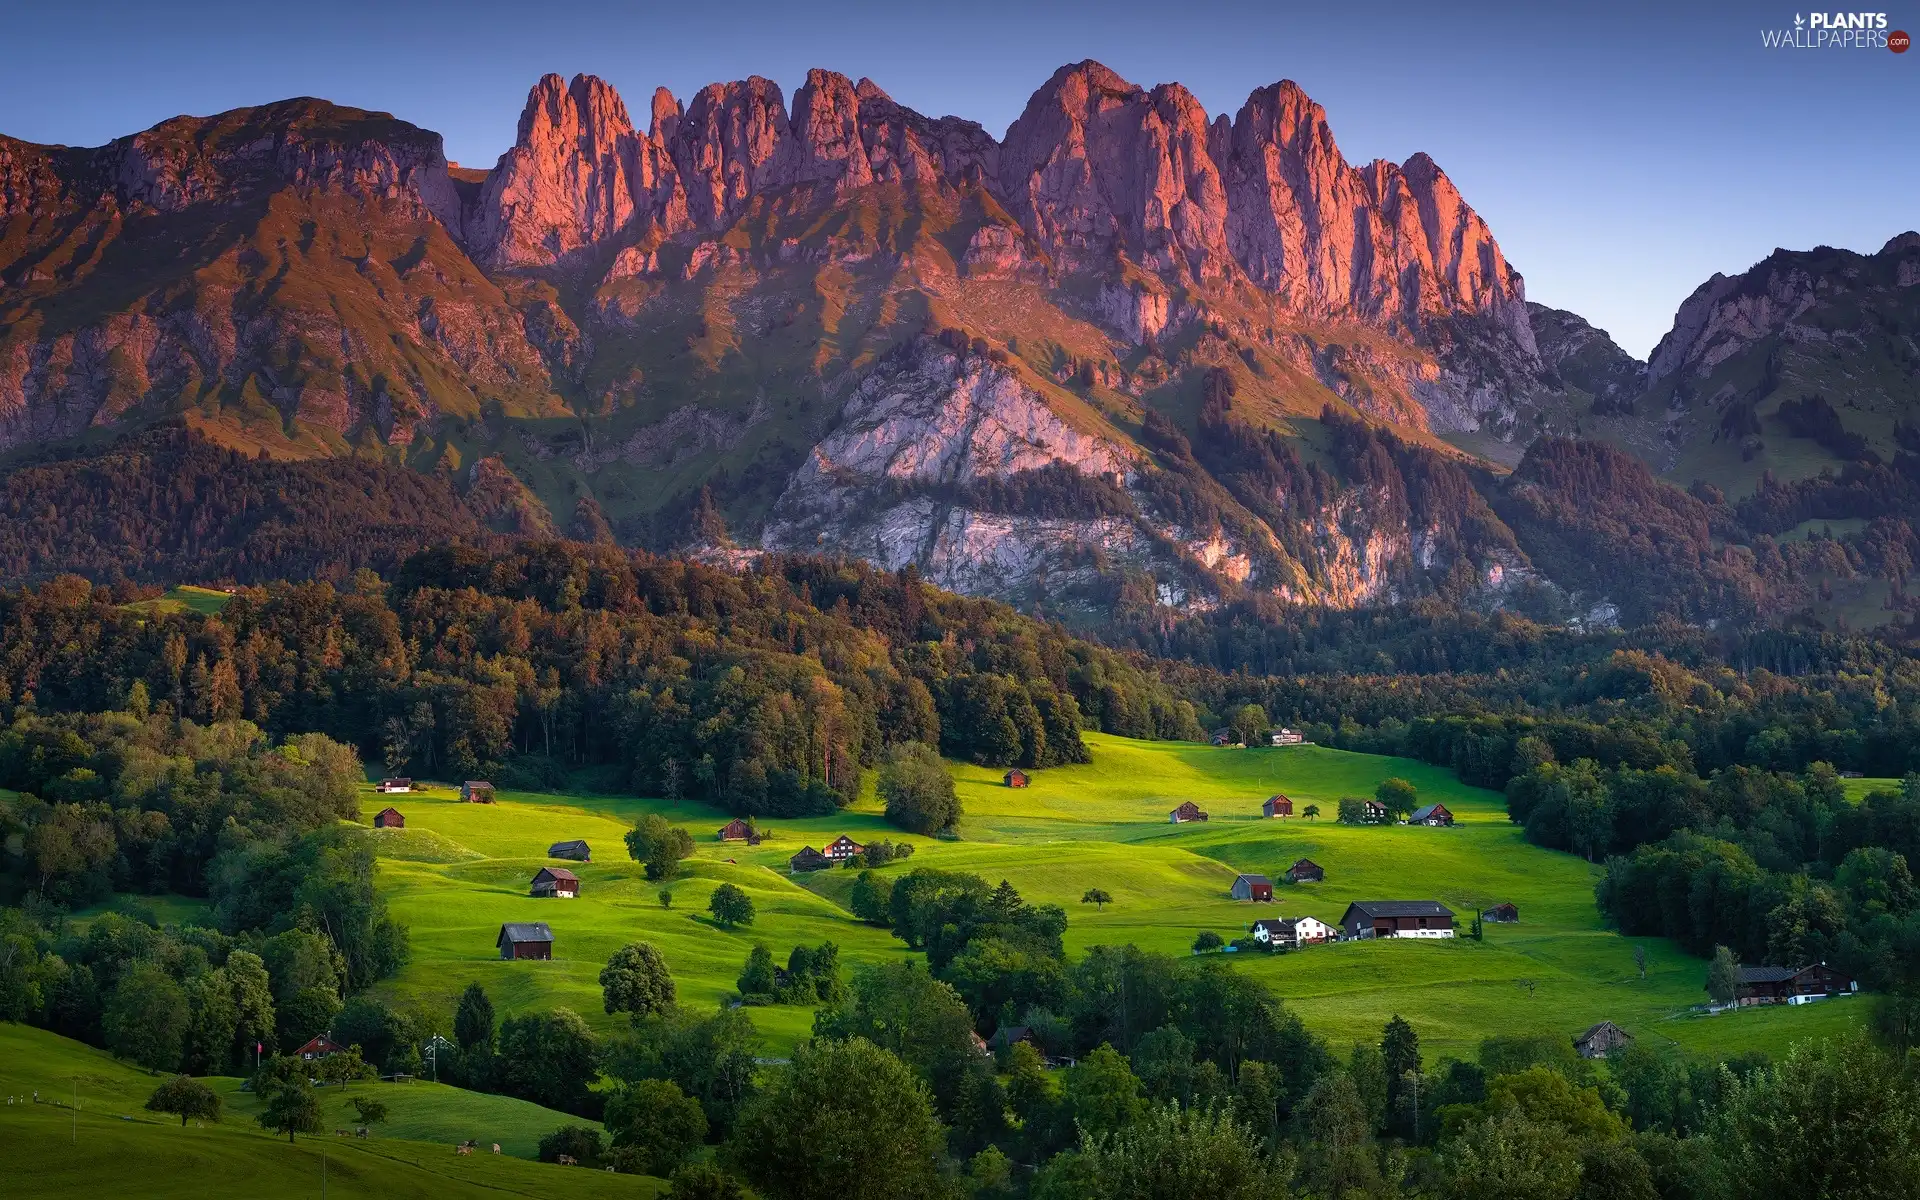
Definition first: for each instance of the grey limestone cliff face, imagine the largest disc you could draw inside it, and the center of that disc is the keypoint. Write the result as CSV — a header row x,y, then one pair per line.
x,y
889,482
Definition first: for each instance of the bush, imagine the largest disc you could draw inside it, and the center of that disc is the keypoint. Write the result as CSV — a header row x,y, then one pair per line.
x,y
185,1098
578,1142
1207,941
635,980
699,1181
655,1127
917,790
730,906
658,846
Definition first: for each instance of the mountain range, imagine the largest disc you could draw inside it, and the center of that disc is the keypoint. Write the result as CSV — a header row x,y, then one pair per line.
x,y
1127,354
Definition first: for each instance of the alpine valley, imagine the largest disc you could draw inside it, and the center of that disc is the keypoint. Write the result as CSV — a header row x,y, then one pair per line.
x,y
1127,357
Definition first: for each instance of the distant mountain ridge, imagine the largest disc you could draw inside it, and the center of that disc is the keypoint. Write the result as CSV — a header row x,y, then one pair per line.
x,y
1129,349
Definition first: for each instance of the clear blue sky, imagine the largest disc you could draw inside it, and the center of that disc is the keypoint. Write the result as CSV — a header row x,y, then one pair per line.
x,y
1621,152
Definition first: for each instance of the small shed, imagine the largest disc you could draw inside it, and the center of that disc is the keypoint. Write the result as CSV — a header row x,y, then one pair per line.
x,y
1252,887
476,791
1221,736
808,859
1503,914
738,830
394,785
1306,871
1186,812
555,883
1017,778
1601,1040
1276,806
389,818
574,850
1432,814
842,848
318,1047
525,939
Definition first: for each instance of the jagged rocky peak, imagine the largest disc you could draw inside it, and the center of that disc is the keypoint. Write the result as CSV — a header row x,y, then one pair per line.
x,y
1096,169
1096,165
578,174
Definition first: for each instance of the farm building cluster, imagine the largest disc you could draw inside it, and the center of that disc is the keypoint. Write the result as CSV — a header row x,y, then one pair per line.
x,y
837,851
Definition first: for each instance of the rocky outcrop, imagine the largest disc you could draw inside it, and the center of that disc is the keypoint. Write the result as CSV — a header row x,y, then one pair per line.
x,y
578,174
883,484
1586,358
1780,298
1097,167
300,143
1387,243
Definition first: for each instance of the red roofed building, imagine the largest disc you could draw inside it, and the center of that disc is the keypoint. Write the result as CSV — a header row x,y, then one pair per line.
x,y
318,1047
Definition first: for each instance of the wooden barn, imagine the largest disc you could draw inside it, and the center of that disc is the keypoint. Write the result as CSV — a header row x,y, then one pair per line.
x,y
394,785
738,830
1601,1040
1398,918
1288,737
525,939
808,859
555,883
1432,814
1276,806
1791,985
1306,871
476,791
389,818
1017,778
1186,812
573,849
1252,887
1503,914
841,849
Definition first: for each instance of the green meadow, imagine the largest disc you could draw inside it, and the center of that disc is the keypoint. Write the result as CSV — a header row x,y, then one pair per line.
x,y
459,870
111,1146
186,598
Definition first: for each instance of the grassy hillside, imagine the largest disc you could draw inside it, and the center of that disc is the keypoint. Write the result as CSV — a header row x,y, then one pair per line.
x,y
50,1150
458,871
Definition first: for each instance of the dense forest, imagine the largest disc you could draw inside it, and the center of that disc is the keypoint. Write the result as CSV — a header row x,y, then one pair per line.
x,y
764,691
146,750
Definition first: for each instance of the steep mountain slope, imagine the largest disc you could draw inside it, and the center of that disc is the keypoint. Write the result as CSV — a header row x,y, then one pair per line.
x,y
1809,360
838,325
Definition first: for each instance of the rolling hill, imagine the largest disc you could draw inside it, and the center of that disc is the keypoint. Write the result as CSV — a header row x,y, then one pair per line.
x,y
1100,825
48,1148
